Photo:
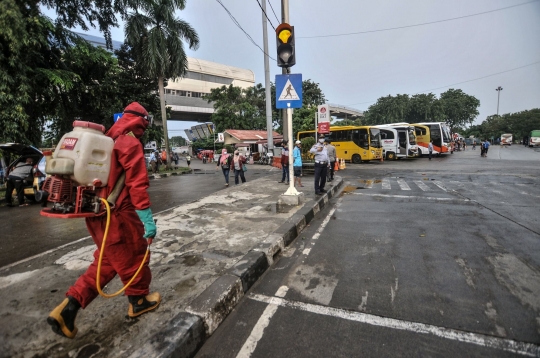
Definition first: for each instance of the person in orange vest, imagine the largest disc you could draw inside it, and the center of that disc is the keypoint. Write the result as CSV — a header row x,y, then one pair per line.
x,y
164,156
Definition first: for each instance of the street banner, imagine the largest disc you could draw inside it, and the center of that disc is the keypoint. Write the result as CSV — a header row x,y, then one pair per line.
x,y
324,113
323,128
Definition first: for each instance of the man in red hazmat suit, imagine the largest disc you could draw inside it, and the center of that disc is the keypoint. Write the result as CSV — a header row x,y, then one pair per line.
x,y
131,223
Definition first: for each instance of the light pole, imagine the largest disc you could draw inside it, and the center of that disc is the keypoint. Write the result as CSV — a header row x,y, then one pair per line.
x,y
498,89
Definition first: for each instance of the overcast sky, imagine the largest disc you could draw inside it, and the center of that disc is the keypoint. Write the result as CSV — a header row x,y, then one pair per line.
x,y
355,70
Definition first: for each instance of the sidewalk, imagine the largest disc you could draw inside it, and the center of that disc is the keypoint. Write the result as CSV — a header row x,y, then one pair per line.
x,y
205,257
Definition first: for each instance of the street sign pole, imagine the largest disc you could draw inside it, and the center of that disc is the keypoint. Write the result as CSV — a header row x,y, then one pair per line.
x,y
292,190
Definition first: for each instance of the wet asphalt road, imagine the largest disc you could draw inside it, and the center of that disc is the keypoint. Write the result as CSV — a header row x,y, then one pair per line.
x,y
418,258
25,233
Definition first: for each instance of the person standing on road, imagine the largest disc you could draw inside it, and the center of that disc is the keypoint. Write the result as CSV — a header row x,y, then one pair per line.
x,y
131,225
297,163
224,160
331,157
285,164
188,160
238,162
15,180
321,165
430,149
486,148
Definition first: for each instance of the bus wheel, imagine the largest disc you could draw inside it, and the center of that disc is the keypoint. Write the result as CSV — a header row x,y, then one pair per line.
x,y
390,156
356,159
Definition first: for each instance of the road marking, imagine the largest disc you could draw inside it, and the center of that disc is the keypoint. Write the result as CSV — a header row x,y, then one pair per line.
x,y
440,185
257,332
526,349
422,186
403,185
413,196
386,184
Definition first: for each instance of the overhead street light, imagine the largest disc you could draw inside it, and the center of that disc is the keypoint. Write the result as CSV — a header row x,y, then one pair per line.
x,y
498,89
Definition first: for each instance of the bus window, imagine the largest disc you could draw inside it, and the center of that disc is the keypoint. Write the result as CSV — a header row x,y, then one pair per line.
x,y
360,138
420,131
387,134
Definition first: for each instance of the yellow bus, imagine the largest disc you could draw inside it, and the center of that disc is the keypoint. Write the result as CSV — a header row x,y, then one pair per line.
x,y
353,143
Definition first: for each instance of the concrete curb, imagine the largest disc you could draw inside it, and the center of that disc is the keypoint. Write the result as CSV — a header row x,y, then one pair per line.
x,y
166,175
188,331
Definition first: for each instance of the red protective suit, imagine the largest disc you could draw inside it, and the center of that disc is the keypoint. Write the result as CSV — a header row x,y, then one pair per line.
x,y
125,246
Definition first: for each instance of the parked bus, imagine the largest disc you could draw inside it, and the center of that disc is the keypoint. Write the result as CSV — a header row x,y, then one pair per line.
x,y
398,141
534,138
438,132
354,143
506,139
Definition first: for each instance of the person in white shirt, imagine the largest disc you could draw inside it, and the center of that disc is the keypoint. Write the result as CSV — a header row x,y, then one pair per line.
x,y
430,149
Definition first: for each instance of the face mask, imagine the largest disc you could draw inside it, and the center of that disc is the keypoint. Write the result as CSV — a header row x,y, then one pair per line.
x,y
321,141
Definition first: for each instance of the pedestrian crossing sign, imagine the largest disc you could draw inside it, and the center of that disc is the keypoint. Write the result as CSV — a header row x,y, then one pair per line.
x,y
289,91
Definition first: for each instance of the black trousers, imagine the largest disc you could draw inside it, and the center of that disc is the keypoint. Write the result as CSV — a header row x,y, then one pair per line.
x,y
239,173
17,184
332,165
320,176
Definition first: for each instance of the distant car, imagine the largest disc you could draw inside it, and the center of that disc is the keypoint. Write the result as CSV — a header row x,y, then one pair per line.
x,y
18,153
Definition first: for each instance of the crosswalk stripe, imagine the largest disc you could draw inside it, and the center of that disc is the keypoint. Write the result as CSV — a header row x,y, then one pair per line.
x,y
386,184
422,186
439,184
403,185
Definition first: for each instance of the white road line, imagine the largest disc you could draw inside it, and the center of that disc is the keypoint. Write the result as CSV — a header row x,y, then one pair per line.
x,y
526,349
440,185
386,184
422,186
257,332
403,185
412,196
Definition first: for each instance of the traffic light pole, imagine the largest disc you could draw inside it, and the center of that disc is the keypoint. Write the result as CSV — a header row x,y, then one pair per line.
x,y
285,19
269,121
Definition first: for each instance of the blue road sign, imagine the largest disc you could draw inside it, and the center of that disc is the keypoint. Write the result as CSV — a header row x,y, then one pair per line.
x,y
289,91
116,116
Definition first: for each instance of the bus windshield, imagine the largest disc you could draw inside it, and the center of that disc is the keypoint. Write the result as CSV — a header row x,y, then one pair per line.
x,y
447,138
412,138
375,137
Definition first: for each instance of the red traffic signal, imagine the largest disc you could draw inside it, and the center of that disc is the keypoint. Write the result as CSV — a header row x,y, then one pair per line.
x,y
286,56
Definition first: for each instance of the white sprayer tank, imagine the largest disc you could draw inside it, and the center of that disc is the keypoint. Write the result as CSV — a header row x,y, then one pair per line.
x,y
83,154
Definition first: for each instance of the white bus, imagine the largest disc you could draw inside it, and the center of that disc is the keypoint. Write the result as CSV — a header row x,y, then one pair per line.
x,y
438,132
506,139
398,141
534,138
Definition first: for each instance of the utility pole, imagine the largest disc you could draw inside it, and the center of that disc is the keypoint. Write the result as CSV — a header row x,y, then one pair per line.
x,y
284,71
269,121
498,89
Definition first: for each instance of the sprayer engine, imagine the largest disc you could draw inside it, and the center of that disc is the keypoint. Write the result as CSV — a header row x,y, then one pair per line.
x,y
79,170
69,200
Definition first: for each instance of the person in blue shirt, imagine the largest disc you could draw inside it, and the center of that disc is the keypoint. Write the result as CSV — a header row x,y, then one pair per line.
x,y
297,163
486,147
321,165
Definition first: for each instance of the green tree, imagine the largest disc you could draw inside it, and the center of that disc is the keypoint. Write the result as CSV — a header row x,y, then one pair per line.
x,y
424,108
177,141
459,108
238,108
389,109
157,37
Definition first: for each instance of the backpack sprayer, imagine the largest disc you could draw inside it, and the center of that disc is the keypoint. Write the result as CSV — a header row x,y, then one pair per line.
x,y
77,183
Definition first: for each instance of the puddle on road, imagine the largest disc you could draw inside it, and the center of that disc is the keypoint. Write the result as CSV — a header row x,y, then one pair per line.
x,y
348,189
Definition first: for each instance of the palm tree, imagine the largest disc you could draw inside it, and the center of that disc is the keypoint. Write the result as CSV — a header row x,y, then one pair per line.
x,y
157,35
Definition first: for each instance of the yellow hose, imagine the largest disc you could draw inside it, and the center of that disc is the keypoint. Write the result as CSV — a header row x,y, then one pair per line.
x,y
98,286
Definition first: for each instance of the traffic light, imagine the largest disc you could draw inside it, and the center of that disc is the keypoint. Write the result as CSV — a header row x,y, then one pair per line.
x,y
286,56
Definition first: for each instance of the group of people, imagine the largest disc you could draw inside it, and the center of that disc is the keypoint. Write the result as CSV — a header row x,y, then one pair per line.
x,y
228,163
157,159
484,148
